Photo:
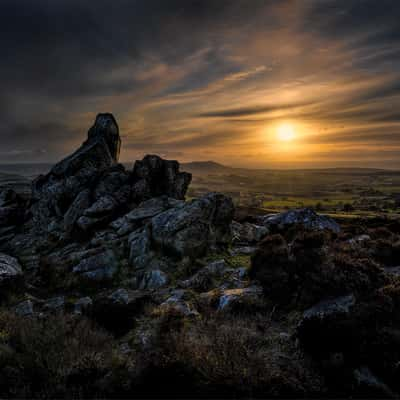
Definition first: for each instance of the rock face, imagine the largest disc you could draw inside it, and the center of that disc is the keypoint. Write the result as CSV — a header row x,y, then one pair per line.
x,y
305,218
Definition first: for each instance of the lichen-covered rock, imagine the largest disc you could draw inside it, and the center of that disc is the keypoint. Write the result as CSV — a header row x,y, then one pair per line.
x,y
305,218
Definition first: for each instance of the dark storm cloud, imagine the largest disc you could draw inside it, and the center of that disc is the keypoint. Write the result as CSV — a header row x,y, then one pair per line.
x,y
180,74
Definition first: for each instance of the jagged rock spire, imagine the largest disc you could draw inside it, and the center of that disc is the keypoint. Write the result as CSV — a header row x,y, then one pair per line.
x,y
106,128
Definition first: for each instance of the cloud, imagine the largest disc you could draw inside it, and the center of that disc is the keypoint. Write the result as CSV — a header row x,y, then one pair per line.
x,y
190,78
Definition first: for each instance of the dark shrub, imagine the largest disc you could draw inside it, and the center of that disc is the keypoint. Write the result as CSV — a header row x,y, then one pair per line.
x,y
52,357
273,268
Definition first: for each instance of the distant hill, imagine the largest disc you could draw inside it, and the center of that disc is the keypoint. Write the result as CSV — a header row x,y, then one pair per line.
x,y
210,167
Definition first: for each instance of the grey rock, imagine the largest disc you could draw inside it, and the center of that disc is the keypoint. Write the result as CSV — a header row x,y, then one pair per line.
x,y
81,203
104,205
197,227
326,308
179,306
234,297
359,239
305,217
54,304
140,249
99,267
153,279
144,211
100,150
111,181
395,271
247,232
204,279
82,305
157,177
10,270
24,309
369,385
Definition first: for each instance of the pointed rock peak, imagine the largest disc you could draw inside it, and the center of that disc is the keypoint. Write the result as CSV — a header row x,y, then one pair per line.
x,y
106,127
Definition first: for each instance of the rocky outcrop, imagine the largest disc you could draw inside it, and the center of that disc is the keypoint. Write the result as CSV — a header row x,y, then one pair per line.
x,y
55,193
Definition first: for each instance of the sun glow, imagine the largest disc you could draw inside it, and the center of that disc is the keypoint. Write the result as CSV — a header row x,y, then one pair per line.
x,y
285,132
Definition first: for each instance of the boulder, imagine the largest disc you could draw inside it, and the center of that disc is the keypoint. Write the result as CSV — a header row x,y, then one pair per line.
x,y
205,278
10,272
154,176
55,304
247,233
177,305
83,305
145,210
98,268
305,218
140,248
152,279
194,229
24,309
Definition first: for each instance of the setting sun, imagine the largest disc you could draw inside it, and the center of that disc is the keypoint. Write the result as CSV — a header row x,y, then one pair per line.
x,y
285,132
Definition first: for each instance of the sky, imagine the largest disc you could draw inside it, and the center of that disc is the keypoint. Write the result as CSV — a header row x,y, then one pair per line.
x,y
247,83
